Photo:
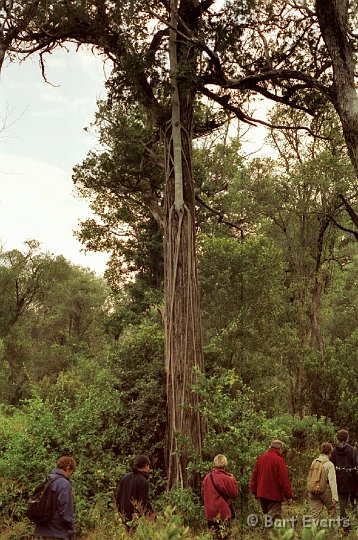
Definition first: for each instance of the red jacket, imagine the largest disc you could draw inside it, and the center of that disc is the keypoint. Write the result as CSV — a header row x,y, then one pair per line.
x,y
270,478
216,506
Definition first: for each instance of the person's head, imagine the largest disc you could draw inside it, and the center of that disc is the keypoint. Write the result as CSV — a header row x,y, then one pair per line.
x,y
278,445
220,461
326,448
141,463
67,464
342,435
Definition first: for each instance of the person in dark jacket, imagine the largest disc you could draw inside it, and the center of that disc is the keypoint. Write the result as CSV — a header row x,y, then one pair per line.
x,y
133,491
345,459
62,523
218,488
270,483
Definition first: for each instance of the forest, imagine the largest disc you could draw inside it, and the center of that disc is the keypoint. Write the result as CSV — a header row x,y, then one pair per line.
x,y
228,312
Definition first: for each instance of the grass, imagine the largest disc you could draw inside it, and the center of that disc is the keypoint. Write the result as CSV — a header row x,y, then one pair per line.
x,y
170,525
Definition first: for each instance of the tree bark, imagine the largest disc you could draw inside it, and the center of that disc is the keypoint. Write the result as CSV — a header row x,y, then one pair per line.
x,y
183,334
183,344
333,20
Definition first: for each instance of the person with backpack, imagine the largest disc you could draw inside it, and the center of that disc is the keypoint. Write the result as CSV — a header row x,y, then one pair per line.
x,y
132,494
345,459
270,483
61,524
321,483
218,488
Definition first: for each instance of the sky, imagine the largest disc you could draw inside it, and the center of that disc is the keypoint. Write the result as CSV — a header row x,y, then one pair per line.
x,y
43,140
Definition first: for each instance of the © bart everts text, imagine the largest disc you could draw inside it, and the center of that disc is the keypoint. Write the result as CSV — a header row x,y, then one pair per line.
x,y
253,520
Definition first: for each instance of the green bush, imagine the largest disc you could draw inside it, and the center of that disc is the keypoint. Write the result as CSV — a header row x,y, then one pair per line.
x,y
232,425
102,413
187,504
303,437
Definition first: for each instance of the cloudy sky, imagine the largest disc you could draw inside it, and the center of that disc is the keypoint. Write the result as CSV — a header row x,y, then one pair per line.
x,y
43,140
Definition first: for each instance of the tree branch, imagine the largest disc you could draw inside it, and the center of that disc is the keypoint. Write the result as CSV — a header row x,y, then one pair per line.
x,y
221,216
353,215
350,231
202,7
241,115
246,83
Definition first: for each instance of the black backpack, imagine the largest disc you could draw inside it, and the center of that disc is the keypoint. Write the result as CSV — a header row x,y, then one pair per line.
x,y
41,504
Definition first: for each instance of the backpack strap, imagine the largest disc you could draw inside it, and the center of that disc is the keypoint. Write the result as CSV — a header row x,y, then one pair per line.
x,y
323,461
56,478
217,489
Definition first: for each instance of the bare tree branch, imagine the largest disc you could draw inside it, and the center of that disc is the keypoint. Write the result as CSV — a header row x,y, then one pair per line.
x,y
221,216
353,215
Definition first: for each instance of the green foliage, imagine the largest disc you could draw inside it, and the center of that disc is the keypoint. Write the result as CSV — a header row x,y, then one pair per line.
x,y
172,528
187,504
167,525
102,413
281,534
307,533
303,437
232,425
331,383
311,533
110,178
245,313
137,364
51,312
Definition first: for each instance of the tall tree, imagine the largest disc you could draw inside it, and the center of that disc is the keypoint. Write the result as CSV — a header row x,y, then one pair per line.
x,y
166,56
338,22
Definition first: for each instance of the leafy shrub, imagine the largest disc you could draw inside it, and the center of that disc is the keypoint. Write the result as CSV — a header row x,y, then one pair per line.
x,y
303,437
232,425
187,504
102,413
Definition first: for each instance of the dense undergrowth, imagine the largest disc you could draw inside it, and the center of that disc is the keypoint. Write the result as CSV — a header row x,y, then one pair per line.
x,y
33,435
171,524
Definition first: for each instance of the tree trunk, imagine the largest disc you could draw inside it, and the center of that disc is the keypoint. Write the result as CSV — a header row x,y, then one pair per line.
x,y
333,20
183,334
183,341
317,290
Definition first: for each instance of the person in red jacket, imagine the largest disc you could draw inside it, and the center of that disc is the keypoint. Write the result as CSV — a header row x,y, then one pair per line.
x,y
270,483
218,488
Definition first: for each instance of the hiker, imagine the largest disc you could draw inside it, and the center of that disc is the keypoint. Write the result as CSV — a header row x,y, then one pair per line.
x,y
133,491
62,523
328,496
218,488
270,483
345,459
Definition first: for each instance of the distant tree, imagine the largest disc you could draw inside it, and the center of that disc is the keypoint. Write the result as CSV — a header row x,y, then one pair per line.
x,y
50,312
297,201
247,316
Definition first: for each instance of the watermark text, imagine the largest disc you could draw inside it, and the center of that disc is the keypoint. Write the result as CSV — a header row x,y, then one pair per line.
x,y
255,520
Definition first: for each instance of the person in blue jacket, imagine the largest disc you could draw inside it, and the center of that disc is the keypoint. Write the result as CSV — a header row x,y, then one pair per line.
x,y
62,523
